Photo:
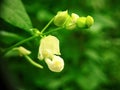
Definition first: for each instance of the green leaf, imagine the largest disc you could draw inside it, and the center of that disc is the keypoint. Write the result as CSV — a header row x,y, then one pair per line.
x,y
13,12
8,36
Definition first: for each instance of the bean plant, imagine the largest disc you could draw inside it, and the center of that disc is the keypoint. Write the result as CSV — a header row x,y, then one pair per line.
x,y
49,45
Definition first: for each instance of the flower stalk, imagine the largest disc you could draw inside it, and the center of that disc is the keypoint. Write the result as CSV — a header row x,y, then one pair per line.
x,y
33,62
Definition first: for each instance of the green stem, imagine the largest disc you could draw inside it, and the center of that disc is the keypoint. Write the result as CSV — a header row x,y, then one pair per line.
x,y
53,30
32,37
47,25
21,42
33,62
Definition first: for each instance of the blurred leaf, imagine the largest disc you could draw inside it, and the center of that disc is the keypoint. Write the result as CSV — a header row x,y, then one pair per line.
x,y
44,15
13,12
91,76
93,55
105,21
8,37
12,53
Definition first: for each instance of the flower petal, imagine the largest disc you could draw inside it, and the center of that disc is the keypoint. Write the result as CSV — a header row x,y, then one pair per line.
x,y
56,64
48,47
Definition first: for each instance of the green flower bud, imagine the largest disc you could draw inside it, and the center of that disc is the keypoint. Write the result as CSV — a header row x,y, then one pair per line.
x,y
71,23
22,51
74,17
81,22
60,18
89,21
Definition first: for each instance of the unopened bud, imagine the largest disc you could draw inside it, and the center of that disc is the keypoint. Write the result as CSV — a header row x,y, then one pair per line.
x,y
71,23
89,21
61,17
74,17
22,50
81,22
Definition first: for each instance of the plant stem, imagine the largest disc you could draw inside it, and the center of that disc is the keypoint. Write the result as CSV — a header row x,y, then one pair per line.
x,y
53,30
47,25
21,42
32,37
33,62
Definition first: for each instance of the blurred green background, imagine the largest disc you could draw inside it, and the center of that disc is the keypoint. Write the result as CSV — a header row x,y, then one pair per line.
x,y
91,56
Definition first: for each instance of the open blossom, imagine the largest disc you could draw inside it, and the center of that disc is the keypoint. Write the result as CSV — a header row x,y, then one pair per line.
x,y
49,51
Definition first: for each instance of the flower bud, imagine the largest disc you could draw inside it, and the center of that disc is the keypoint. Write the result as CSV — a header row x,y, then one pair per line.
x,y
56,64
60,18
74,17
49,46
22,50
89,21
81,22
71,23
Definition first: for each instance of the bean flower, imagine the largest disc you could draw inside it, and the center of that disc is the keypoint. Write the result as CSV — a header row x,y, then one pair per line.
x,y
49,51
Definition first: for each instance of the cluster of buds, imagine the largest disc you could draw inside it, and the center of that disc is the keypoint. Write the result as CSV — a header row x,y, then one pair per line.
x,y
49,52
63,19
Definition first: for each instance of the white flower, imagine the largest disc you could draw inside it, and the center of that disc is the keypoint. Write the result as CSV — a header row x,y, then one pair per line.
x,y
49,51
56,64
48,47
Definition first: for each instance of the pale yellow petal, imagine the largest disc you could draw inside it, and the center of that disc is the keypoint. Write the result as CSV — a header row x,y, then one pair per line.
x,y
49,46
56,64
